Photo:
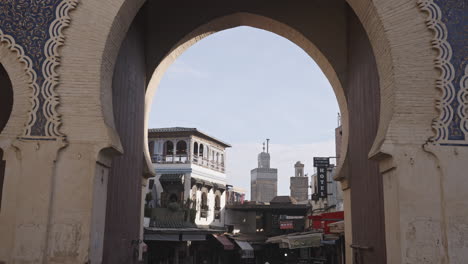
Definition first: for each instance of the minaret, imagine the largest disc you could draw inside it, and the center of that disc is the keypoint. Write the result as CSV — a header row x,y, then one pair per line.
x,y
264,158
264,179
299,184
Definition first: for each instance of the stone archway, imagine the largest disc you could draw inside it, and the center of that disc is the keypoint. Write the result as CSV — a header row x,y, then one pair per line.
x,y
398,139
351,79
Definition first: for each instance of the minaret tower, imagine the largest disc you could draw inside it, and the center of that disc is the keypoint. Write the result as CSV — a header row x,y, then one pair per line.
x,y
264,180
299,184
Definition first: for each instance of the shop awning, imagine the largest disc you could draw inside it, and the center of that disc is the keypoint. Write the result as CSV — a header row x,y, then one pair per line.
x,y
161,237
247,249
193,237
170,178
305,241
225,242
282,241
298,240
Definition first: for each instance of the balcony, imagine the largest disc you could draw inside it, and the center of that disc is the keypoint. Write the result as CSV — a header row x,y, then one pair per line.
x,y
185,159
170,159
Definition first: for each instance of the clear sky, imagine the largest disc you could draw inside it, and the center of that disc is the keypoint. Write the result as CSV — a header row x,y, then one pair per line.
x,y
244,85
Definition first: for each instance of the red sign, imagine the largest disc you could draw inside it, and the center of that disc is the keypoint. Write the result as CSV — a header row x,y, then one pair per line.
x,y
286,225
323,220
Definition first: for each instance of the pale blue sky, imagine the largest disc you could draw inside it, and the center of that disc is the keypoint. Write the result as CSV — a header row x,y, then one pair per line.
x,y
243,85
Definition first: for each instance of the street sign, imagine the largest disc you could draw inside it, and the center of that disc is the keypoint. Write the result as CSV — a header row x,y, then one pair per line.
x,y
321,161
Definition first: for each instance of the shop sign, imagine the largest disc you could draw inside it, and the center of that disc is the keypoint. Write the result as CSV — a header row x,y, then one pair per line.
x,y
290,217
286,225
322,182
321,162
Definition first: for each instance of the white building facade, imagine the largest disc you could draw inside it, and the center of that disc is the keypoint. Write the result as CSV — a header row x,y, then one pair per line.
x,y
190,170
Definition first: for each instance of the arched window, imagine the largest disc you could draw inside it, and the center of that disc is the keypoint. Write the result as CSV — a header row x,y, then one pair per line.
x,y
217,207
217,157
200,152
222,159
195,148
218,202
168,148
204,201
181,147
194,197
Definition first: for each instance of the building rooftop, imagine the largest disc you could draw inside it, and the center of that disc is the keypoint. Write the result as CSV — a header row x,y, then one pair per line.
x,y
283,200
292,209
184,131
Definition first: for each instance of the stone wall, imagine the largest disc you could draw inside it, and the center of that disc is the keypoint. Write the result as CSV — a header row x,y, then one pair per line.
x,y
299,188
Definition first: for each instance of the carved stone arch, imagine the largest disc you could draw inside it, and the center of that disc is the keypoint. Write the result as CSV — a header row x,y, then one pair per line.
x,y
375,17
268,24
392,38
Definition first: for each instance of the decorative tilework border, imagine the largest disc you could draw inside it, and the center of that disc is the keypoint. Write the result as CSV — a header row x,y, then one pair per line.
x,y
48,68
463,97
449,119
42,75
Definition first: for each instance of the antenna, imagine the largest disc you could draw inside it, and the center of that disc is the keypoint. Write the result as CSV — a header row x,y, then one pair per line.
x,y
263,146
268,141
